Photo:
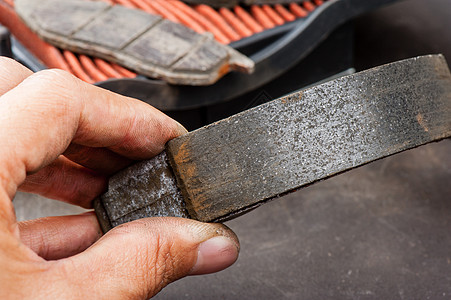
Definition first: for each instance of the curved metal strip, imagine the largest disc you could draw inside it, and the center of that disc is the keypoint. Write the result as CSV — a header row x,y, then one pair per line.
x,y
236,164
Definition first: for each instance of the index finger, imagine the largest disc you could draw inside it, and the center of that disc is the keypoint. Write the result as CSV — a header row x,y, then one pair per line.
x,y
50,109
11,74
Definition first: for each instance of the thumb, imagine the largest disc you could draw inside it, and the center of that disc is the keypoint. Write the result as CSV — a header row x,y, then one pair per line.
x,y
138,259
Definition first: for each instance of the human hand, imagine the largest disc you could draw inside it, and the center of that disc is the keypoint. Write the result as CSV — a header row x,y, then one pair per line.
x,y
61,138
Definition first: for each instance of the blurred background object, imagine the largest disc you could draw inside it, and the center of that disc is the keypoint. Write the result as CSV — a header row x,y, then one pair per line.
x,y
293,46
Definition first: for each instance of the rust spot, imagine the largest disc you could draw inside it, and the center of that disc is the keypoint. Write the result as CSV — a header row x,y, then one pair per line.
x,y
422,122
181,158
184,163
292,98
223,70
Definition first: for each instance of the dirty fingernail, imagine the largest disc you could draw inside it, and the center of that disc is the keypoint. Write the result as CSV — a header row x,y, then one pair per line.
x,y
181,130
215,255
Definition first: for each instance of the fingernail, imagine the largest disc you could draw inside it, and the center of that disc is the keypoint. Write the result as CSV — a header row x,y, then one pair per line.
x,y
181,130
215,255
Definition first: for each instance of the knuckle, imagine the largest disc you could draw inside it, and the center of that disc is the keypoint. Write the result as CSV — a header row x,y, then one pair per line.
x,y
7,63
52,77
11,74
54,87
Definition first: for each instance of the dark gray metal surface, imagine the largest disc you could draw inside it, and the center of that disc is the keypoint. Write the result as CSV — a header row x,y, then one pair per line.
x,y
226,168
236,163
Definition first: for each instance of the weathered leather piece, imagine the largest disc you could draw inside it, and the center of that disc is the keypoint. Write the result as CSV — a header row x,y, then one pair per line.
x,y
142,42
229,167
231,3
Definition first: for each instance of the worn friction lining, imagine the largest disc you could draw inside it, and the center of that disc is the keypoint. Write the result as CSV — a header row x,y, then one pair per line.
x,y
226,168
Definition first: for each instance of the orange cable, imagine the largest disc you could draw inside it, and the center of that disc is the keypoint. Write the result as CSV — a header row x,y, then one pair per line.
x,y
284,13
309,6
298,11
273,15
125,3
106,68
91,69
262,18
144,6
185,19
247,19
235,22
204,22
218,21
162,11
75,66
123,71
